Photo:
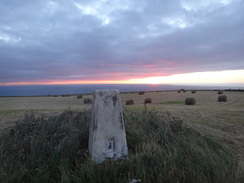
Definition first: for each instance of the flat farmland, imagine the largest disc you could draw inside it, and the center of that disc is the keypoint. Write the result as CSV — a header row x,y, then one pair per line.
x,y
223,121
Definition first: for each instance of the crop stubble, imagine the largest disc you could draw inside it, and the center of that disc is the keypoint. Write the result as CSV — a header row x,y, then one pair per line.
x,y
222,120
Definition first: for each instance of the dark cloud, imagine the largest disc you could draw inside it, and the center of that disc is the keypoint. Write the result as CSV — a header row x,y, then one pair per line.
x,y
114,40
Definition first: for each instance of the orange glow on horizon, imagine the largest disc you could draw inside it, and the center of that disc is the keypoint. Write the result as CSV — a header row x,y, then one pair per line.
x,y
65,82
218,77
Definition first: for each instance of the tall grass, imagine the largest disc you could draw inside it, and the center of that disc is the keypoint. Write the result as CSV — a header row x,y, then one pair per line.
x,y
162,148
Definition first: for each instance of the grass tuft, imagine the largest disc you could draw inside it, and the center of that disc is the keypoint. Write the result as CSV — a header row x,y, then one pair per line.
x,y
162,148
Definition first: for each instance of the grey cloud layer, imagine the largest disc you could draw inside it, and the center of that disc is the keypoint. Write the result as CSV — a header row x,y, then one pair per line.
x,y
106,40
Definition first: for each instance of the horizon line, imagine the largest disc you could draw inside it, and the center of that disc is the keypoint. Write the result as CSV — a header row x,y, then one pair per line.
x,y
117,83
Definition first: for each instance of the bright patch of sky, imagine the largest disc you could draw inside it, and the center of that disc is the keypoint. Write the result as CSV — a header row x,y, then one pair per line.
x,y
9,39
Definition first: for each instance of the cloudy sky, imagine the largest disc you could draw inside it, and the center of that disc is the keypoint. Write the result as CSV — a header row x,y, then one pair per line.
x,y
121,41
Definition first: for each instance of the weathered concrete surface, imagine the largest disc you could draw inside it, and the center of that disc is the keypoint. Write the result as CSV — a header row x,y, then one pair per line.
x,y
107,138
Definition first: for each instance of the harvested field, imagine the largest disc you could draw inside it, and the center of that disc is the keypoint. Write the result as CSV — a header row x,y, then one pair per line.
x,y
13,108
223,121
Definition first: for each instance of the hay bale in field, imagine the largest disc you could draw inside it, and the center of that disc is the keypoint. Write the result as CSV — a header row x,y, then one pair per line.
x,y
220,92
87,101
193,91
190,101
222,98
179,91
147,100
129,102
141,92
79,96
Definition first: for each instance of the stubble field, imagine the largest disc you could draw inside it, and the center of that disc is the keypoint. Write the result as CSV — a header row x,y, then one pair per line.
x,y
223,121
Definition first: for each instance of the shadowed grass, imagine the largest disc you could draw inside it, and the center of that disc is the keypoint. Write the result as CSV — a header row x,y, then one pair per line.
x,y
161,149
16,111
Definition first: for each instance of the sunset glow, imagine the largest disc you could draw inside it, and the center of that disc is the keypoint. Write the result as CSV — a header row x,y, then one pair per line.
x,y
216,77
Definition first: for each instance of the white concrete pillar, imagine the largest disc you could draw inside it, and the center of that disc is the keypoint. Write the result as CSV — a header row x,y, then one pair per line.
x,y
107,138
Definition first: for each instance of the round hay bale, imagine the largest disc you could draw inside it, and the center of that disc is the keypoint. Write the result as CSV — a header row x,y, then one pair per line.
x,y
129,102
193,91
222,98
141,92
190,101
79,96
179,91
220,92
87,101
147,100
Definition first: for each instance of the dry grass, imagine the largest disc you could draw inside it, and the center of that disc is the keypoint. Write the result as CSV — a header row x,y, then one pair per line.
x,y
162,148
12,108
224,121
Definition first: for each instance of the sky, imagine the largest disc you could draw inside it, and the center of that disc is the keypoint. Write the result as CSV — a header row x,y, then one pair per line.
x,y
121,41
